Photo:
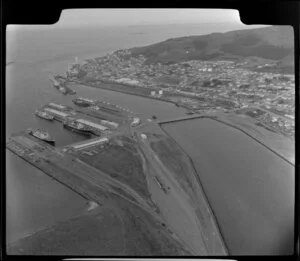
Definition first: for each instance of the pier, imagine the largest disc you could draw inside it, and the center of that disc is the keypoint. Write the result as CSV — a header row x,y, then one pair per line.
x,y
184,118
223,121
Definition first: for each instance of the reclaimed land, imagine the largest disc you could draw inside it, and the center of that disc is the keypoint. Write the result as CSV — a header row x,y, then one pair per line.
x,y
122,88
118,229
269,138
175,160
145,92
102,233
67,178
121,161
281,146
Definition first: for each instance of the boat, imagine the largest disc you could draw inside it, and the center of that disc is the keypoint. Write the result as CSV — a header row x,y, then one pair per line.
x,y
41,135
80,103
190,113
44,115
59,84
71,91
56,84
83,102
63,90
77,127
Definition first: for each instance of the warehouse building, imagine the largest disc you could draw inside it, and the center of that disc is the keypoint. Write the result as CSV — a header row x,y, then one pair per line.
x,y
56,113
110,123
87,100
57,106
92,125
136,121
89,143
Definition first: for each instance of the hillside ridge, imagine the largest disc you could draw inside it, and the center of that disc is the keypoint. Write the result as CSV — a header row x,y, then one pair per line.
x,y
270,42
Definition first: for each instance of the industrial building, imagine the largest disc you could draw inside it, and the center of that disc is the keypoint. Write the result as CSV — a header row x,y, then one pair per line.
x,y
86,100
89,143
57,106
143,136
93,125
110,123
136,121
56,113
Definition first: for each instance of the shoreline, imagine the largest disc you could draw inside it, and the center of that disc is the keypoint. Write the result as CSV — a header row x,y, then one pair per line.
x,y
195,117
239,129
198,176
123,91
85,211
203,193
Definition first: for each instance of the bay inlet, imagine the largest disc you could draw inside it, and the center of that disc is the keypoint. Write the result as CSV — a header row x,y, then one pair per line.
x,y
249,188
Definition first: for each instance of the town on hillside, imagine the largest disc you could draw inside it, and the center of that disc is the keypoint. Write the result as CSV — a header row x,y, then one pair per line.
x,y
243,86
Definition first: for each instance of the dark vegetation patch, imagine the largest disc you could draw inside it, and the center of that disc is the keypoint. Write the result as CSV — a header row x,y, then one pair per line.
x,y
265,127
263,50
261,42
144,236
173,158
98,234
121,163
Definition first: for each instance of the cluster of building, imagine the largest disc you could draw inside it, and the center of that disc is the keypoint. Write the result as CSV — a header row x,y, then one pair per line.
x,y
63,113
221,85
87,144
286,127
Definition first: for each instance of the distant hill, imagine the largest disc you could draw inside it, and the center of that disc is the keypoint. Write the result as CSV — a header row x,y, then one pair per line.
x,y
272,43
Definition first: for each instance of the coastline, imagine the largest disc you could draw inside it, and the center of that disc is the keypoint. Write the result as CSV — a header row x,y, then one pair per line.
x,y
260,141
256,139
211,217
204,206
191,151
85,211
103,86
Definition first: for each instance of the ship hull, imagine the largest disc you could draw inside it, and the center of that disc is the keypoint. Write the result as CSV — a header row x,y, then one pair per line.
x,y
45,118
49,141
72,91
82,104
82,132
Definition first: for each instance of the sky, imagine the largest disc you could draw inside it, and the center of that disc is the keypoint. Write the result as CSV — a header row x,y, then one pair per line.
x,y
134,17
127,17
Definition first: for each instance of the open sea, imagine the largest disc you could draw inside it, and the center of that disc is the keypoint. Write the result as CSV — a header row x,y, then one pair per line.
x,y
34,200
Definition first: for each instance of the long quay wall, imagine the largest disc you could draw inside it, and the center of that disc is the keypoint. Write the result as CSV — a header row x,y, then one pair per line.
x,y
230,125
184,118
71,181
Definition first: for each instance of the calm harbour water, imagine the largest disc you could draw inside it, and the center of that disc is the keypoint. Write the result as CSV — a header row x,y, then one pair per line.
x,y
34,200
250,189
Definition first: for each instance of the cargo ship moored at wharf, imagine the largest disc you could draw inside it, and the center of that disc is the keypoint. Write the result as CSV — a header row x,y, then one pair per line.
x,y
59,84
58,115
76,127
44,115
84,102
41,135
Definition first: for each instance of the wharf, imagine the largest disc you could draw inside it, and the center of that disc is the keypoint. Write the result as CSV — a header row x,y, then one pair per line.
x,y
45,157
101,120
67,169
184,118
272,146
